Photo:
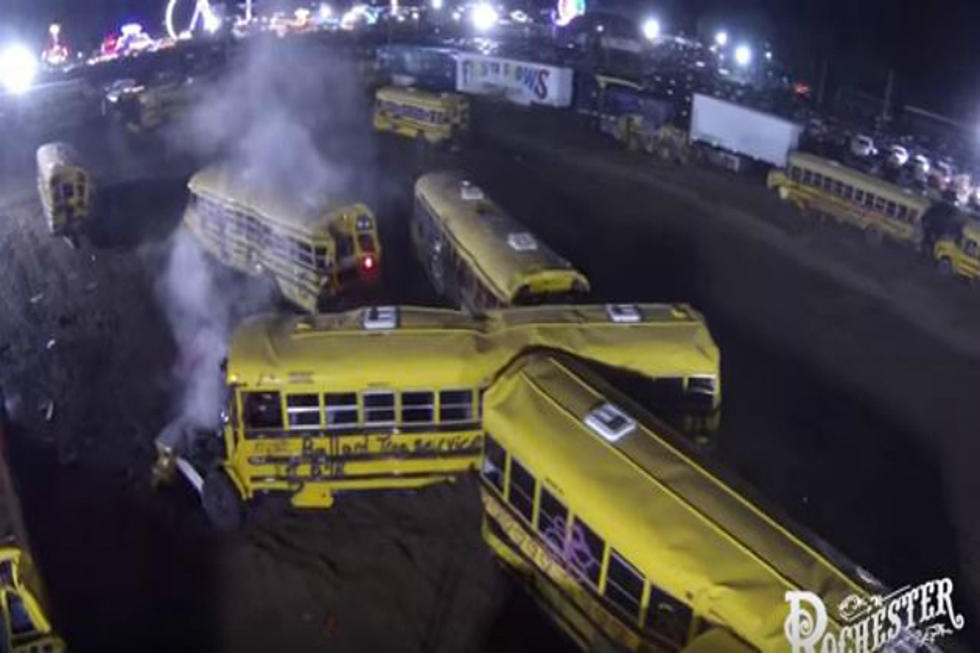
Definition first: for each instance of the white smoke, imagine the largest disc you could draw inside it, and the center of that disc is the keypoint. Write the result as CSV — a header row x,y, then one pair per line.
x,y
285,113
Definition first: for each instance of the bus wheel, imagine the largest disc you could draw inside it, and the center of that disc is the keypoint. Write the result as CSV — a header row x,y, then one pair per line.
x,y
221,501
873,236
945,267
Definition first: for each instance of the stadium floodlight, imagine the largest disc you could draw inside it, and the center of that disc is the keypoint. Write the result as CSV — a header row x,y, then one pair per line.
x,y
55,30
768,55
651,29
18,67
437,4
721,38
484,17
212,22
326,11
743,55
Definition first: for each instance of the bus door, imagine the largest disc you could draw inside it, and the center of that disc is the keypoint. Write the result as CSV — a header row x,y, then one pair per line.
x,y
66,199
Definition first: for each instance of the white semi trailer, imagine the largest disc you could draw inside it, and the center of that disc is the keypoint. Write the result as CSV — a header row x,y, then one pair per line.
x,y
730,133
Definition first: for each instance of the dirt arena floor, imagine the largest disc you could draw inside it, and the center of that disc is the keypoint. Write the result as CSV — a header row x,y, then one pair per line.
x,y
849,377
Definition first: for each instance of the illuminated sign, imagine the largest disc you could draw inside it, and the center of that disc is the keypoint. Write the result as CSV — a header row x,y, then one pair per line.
x,y
521,82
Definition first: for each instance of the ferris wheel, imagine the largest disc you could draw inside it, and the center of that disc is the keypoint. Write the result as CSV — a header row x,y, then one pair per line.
x,y
203,14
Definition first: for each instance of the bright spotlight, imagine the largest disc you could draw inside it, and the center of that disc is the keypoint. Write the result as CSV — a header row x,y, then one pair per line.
x,y
18,67
484,17
651,28
437,4
212,22
721,38
768,55
54,30
743,55
326,11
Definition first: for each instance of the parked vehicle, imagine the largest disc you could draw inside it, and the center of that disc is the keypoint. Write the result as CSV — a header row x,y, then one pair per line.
x,y
863,146
740,132
898,156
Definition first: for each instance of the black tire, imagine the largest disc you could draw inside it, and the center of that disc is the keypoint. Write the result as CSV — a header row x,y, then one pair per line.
x,y
221,501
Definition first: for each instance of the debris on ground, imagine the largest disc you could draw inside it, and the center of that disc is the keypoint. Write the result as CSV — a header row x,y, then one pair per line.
x,y
47,407
36,298
51,343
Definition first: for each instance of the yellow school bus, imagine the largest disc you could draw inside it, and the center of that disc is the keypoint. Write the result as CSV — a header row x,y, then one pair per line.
x,y
65,189
312,251
478,256
627,540
959,253
389,397
435,117
26,627
877,207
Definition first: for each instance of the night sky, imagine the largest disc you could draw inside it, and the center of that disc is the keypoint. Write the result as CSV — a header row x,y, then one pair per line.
x,y
932,46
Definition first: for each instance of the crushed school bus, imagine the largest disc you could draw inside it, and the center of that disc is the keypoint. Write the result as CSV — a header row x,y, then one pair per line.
x,y
435,117
873,205
625,537
312,250
65,189
479,256
26,627
959,252
389,397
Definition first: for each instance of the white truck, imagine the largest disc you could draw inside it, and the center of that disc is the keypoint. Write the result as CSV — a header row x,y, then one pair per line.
x,y
729,134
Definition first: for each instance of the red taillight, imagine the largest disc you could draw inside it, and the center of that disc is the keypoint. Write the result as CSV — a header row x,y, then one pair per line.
x,y
368,262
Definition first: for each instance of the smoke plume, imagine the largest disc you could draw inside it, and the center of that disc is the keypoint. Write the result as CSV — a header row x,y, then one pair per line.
x,y
287,114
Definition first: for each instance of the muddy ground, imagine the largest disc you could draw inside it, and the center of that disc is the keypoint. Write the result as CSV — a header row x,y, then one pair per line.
x,y
849,376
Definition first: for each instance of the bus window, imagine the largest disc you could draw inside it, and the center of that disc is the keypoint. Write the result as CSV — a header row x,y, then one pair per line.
x,y
418,407
494,459
340,409
586,551
321,258
848,192
859,196
379,408
880,204
262,410
807,177
624,586
20,620
828,184
903,212
817,179
520,491
67,191
970,248
455,406
668,617
303,411
552,520
794,173
838,189
869,200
